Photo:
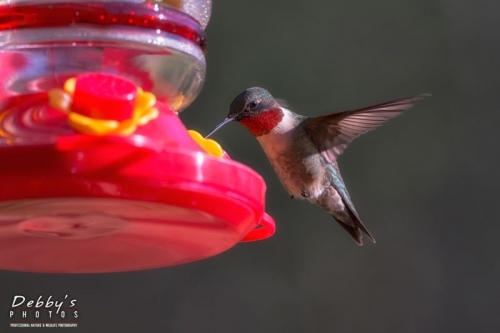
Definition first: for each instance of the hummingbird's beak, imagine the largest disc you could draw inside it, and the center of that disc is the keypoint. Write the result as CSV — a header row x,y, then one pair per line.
x,y
222,123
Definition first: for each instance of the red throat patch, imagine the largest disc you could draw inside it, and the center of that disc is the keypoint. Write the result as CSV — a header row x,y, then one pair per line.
x,y
263,123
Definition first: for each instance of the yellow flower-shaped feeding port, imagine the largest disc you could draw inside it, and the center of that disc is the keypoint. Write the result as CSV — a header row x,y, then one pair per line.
x,y
107,105
209,145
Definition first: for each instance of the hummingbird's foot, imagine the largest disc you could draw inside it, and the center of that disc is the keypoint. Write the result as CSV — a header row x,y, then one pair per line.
x,y
305,194
292,197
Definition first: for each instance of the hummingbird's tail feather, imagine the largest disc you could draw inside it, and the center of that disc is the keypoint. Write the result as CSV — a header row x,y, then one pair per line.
x,y
336,201
359,224
355,227
353,231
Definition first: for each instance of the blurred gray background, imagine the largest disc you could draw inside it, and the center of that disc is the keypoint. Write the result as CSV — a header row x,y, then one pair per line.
x,y
425,184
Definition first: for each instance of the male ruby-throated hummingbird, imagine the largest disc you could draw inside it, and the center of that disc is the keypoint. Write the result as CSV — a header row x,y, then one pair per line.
x,y
304,151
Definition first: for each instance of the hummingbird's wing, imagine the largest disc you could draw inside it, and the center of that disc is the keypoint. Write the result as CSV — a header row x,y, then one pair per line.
x,y
333,132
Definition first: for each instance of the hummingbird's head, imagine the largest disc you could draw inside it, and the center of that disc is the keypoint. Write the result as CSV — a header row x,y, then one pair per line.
x,y
256,109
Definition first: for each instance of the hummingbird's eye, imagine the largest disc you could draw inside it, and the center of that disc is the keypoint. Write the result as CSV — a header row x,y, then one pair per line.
x,y
252,105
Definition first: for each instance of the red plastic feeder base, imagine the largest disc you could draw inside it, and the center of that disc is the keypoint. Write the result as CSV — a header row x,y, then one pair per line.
x,y
107,235
74,203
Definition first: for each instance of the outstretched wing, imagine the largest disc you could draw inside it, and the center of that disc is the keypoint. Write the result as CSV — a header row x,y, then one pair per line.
x,y
333,132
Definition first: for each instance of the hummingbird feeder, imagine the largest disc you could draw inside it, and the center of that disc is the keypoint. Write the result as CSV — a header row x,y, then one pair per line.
x,y
97,171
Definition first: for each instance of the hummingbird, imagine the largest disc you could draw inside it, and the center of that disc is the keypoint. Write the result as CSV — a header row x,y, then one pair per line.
x,y
304,150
